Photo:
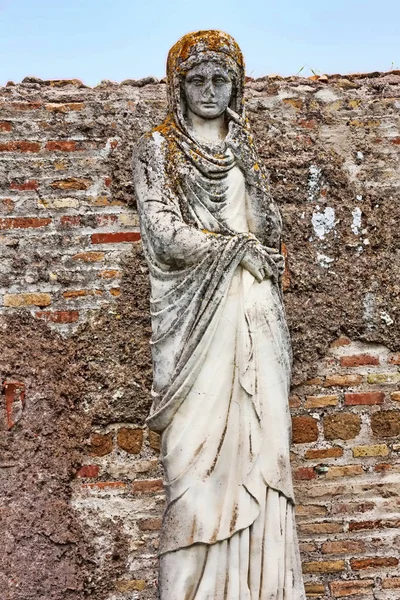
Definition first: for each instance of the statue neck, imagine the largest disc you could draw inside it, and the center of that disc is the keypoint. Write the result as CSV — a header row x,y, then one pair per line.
x,y
211,130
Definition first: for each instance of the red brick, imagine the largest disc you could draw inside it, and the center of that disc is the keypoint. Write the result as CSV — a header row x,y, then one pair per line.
x,y
20,146
62,146
109,274
59,316
321,453
396,141
22,106
23,222
5,126
359,564
342,589
88,471
305,429
308,124
359,360
73,294
364,525
359,398
147,486
70,221
14,391
342,340
150,524
394,360
25,186
107,181
304,473
103,485
115,237
331,566
73,183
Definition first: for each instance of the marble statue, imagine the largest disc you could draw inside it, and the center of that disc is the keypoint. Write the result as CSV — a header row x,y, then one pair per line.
x,y
221,351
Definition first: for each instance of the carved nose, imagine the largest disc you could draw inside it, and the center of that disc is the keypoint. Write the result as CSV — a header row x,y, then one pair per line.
x,y
209,90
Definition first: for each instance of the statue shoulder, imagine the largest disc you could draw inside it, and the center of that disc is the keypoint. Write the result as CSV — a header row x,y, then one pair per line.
x,y
150,148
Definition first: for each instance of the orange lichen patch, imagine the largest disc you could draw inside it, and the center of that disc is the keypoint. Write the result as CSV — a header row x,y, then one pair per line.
x,y
203,41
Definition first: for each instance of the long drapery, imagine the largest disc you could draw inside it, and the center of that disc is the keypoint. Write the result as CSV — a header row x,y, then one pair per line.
x,y
221,355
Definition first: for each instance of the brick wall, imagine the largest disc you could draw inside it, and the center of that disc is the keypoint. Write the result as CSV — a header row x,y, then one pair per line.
x,y
73,283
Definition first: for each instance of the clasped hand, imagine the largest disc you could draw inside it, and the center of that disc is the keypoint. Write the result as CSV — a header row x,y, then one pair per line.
x,y
263,262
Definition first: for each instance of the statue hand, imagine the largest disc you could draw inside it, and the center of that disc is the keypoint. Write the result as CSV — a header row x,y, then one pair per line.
x,y
263,262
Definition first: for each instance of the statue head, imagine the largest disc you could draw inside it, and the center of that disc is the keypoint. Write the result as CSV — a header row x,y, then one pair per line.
x,y
205,73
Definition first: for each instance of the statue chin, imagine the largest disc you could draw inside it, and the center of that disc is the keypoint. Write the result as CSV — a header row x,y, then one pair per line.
x,y
220,345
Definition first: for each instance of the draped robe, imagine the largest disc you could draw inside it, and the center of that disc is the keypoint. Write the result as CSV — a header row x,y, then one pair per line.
x,y
221,357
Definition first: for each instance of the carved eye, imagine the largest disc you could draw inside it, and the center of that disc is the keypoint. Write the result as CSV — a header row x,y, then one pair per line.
x,y
197,81
219,80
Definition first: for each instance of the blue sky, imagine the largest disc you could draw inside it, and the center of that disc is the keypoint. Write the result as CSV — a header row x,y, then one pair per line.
x,y
120,39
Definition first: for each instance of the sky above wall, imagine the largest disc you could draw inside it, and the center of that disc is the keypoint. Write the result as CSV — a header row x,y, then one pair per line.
x,y
120,39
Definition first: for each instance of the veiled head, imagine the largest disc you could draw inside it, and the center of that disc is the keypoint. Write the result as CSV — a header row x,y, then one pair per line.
x,y
205,72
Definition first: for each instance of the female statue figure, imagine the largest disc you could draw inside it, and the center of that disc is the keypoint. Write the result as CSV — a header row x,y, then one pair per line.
x,y
221,350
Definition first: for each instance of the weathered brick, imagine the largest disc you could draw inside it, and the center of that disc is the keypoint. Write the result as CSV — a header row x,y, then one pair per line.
x,y
104,485
73,183
24,186
359,564
71,221
304,473
345,471
343,380
130,585
150,524
386,423
376,450
89,257
360,398
128,219
59,316
110,274
391,583
100,444
311,510
147,486
342,426
88,471
320,528
314,590
106,220
58,203
395,396
343,547
23,222
305,429
62,146
23,106
74,294
352,507
130,440
359,360
324,566
14,393
5,126
115,237
29,299
382,378
342,340
321,453
64,108
394,360
321,401
20,146
342,589
314,381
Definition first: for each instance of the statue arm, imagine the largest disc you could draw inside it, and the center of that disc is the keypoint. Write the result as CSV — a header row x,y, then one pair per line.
x,y
172,241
